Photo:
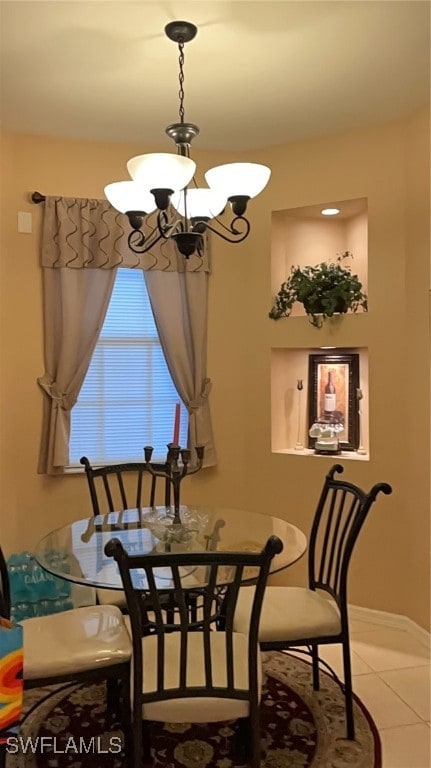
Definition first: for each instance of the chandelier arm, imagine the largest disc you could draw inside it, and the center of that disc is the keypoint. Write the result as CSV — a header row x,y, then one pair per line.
x,y
238,235
231,227
143,244
167,228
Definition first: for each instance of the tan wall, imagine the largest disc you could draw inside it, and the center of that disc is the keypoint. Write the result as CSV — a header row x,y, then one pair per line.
x,y
391,567
389,166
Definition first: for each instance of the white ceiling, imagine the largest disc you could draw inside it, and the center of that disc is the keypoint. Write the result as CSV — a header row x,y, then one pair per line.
x,y
258,73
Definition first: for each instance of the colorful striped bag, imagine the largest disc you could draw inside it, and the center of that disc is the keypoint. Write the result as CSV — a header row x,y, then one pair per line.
x,y
11,682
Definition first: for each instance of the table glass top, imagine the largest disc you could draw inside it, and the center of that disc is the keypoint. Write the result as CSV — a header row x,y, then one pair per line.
x,y
76,552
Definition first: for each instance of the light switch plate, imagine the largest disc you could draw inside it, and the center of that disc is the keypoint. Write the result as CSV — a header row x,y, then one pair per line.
x,y
24,221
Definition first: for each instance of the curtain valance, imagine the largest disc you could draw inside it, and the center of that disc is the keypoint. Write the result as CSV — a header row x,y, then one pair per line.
x,y
83,233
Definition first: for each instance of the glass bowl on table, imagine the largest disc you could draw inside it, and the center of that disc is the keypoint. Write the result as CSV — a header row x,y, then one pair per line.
x,y
177,536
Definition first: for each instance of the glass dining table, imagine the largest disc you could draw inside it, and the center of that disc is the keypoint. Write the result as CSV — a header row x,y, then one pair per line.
x,y
76,552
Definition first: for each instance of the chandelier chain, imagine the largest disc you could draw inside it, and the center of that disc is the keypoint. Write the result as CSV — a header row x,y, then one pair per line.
x,y
181,80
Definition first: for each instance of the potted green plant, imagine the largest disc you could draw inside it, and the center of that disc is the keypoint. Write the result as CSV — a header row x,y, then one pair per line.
x,y
324,290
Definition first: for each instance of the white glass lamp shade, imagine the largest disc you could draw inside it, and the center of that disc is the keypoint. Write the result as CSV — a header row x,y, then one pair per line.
x,y
162,170
233,179
201,203
130,196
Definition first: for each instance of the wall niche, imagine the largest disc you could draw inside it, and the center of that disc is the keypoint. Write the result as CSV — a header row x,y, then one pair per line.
x,y
290,406
304,236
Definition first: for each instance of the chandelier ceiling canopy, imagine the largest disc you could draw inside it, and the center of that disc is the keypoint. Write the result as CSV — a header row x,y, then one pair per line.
x,y
164,183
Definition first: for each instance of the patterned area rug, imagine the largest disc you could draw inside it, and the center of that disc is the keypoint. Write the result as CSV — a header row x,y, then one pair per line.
x,y
300,729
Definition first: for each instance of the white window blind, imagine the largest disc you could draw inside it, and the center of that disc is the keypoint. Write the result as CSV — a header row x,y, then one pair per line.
x,y
128,398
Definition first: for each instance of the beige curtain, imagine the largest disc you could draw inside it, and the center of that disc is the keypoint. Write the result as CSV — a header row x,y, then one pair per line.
x,y
83,243
179,301
76,301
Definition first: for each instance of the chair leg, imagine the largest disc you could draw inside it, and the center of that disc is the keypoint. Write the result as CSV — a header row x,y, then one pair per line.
x,y
113,693
242,740
137,760
315,660
348,692
146,743
255,748
126,718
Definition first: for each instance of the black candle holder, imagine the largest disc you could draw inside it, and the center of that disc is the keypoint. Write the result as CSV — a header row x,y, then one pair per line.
x,y
176,469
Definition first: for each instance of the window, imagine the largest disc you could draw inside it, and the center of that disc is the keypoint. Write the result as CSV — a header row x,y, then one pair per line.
x,y
128,398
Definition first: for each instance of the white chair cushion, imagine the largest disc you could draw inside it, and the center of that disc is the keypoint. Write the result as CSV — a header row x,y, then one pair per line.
x,y
289,614
74,641
111,597
199,709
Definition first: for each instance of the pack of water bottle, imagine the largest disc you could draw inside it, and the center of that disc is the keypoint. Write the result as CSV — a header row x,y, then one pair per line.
x,y
34,591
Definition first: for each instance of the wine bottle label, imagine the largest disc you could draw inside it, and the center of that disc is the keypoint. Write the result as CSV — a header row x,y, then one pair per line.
x,y
329,402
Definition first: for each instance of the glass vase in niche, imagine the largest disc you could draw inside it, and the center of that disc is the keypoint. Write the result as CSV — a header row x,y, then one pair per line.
x,y
361,449
299,387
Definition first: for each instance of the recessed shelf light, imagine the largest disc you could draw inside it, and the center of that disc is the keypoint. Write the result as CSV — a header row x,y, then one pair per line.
x,y
330,211
328,347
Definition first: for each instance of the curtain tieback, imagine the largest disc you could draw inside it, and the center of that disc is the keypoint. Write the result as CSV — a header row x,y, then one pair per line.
x,y
193,405
61,399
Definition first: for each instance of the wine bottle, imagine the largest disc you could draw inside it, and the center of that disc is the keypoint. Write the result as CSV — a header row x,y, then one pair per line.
x,y
330,395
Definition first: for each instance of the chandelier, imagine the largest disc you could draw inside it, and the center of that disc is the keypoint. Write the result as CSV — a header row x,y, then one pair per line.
x,y
163,184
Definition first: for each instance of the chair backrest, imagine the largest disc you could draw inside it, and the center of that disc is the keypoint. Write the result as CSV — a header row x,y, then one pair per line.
x,y
338,519
4,588
110,486
218,577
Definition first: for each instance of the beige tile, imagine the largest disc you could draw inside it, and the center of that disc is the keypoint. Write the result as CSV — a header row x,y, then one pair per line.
x,y
389,649
385,707
413,686
333,655
406,747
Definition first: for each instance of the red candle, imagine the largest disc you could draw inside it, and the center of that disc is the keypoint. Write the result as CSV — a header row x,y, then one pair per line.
x,y
176,438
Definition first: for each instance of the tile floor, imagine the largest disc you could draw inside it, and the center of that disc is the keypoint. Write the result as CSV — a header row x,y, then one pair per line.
x,y
391,676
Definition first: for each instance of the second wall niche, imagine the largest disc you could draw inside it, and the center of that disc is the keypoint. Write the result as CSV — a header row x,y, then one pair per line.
x,y
303,236
290,422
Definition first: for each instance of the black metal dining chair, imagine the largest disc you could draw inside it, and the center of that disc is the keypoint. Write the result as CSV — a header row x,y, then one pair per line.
x,y
183,671
89,644
116,487
318,615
